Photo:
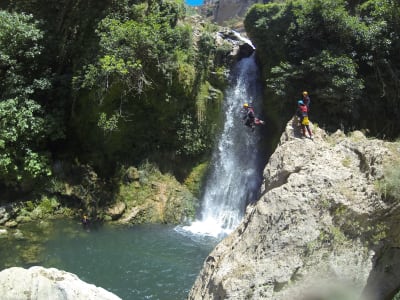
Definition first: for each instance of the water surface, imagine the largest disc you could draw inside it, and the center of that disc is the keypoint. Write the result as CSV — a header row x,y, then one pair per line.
x,y
138,262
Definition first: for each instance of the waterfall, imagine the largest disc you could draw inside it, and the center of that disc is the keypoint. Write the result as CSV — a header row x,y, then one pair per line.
x,y
235,175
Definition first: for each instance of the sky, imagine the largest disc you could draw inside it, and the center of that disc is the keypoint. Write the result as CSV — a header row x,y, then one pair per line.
x,y
194,2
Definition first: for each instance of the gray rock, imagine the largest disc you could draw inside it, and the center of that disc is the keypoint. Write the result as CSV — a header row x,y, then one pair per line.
x,y
38,283
309,235
225,10
116,210
4,215
11,224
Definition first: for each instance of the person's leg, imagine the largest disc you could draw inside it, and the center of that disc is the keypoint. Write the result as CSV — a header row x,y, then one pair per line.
x,y
309,130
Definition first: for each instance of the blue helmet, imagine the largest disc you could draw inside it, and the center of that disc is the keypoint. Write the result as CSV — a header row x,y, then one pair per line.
x,y
300,102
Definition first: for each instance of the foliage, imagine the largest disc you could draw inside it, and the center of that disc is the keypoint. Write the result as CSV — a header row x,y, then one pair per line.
x,y
344,55
24,126
354,225
195,178
389,186
192,136
131,48
125,80
141,89
156,196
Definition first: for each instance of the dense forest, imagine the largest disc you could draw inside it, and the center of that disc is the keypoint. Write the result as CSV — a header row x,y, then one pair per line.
x,y
105,85
110,84
345,53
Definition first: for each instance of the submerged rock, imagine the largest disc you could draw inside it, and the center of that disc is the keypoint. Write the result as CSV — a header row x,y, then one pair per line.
x,y
317,226
38,283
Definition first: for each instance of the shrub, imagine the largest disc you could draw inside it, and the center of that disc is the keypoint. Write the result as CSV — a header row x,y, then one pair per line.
x,y
389,186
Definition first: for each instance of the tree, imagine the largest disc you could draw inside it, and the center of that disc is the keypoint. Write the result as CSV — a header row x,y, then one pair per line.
x,y
345,54
24,128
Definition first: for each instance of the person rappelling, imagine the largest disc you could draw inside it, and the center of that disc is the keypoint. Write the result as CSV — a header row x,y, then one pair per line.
x,y
249,116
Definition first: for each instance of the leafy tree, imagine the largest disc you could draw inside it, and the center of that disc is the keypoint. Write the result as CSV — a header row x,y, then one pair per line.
x,y
380,63
335,83
144,80
24,128
343,53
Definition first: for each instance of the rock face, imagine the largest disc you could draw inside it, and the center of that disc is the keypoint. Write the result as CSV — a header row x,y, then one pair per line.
x,y
224,10
317,226
38,283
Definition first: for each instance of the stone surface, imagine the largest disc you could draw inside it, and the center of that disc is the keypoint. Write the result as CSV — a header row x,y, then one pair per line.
x,y
116,210
38,283
225,10
315,228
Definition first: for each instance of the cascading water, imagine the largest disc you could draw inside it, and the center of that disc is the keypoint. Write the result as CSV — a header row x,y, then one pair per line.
x,y
235,175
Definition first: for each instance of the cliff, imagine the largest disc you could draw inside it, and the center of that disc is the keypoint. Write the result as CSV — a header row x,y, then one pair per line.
x,y
223,11
41,283
321,223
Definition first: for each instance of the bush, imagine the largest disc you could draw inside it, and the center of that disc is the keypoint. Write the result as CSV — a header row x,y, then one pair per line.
x,y
389,186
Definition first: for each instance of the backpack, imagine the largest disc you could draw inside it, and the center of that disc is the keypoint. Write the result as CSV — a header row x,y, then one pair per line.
x,y
303,110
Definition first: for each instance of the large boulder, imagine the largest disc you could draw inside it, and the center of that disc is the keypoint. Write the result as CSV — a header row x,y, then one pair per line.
x,y
318,229
38,283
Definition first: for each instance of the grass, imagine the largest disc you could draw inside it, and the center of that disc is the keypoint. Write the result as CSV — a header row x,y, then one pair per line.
x,y
346,162
389,185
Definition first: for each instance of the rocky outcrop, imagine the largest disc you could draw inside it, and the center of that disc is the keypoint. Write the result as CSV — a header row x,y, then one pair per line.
x,y
319,225
38,283
148,196
236,47
225,10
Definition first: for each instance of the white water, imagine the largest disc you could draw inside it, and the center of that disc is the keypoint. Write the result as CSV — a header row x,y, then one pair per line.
x,y
235,175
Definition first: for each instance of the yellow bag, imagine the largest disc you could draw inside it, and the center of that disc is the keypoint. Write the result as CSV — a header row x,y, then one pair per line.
x,y
305,121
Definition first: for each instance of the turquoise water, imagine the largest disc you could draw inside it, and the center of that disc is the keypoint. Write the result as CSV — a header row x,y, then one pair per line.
x,y
194,2
138,262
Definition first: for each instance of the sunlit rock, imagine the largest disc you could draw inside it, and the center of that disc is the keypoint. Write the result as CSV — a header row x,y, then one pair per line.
x,y
320,227
41,283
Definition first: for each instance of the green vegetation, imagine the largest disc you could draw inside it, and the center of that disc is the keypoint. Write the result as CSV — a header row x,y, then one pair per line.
x,y
389,185
24,126
155,197
350,224
106,84
195,179
344,53
103,85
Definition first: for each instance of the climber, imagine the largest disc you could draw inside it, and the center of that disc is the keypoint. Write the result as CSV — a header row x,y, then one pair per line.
x,y
306,99
250,118
302,115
